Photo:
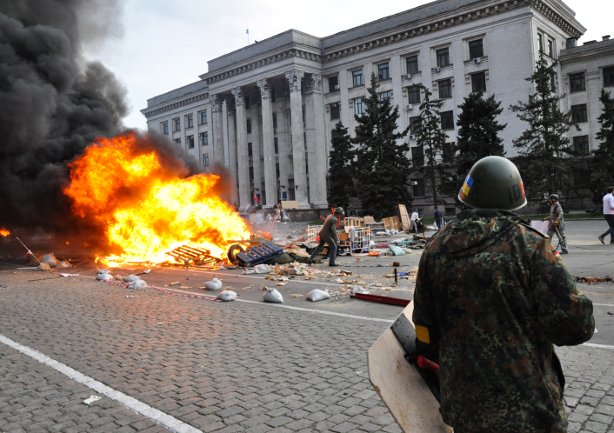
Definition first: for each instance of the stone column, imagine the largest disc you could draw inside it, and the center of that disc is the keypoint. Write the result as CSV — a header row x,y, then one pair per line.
x,y
268,147
317,154
242,156
294,78
217,140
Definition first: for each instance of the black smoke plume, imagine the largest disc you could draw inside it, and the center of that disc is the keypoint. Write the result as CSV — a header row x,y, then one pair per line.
x,y
52,103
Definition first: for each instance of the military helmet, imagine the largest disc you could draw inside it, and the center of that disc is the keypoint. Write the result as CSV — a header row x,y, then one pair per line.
x,y
554,197
493,182
339,211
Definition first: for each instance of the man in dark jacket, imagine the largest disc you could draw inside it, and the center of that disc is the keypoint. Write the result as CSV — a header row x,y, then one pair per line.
x,y
492,297
328,235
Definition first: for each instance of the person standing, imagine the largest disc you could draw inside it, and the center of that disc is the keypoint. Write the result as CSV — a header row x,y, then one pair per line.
x,y
608,214
492,298
438,218
328,235
414,221
556,223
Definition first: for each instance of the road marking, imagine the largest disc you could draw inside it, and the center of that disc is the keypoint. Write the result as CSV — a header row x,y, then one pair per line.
x,y
159,417
599,346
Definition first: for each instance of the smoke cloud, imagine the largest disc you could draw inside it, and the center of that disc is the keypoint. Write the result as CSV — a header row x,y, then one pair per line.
x,y
52,103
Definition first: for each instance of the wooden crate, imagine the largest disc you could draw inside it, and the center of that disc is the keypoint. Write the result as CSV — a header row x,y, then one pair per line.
x,y
392,223
354,222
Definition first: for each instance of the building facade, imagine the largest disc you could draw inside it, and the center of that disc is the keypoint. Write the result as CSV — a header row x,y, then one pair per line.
x,y
265,112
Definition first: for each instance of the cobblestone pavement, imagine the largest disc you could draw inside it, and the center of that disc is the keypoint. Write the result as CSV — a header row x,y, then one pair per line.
x,y
212,367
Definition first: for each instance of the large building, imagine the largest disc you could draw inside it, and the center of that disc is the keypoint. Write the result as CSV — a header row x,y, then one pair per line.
x,y
266,111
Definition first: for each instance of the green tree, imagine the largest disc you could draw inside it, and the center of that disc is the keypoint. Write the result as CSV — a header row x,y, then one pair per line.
x,y
602,163
382,165
544,147
432,139
478,134
341,170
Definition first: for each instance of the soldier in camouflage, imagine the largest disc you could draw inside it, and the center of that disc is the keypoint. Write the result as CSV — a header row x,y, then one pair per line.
x,y
556,222
492,298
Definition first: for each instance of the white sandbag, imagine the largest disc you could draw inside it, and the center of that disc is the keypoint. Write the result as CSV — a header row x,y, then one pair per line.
x,y
137,284
227,295
130,278
273,295
262,268
49,259
103,275
317,295
214,284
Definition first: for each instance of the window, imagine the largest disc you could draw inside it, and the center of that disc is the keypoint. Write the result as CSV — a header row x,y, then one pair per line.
x,y
577,82
413,94
608,76
357,79
205,160
445,88
189,120
334,111
164,127
383,71
580,144
275,122
248,126
476,49
448,152
190,141
550,47
247,102
478,82
411,64
417,155
276,145
417,186
579,113
443,57
413,124
385,96
202,117
359,106
176,124
203,139
447,119
333,83
178,141
540,42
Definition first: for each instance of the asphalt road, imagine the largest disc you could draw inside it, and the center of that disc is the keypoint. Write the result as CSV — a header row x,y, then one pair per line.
x,y
170,358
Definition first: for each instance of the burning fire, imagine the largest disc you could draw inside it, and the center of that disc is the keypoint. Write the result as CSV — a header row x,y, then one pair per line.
x,y
4,232
145,205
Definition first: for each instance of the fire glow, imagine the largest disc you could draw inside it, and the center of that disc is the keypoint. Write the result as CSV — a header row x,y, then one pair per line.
x,y
145,206
4,232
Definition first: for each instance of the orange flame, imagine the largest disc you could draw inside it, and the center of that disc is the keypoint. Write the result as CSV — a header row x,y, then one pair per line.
x,y
145,205
4,232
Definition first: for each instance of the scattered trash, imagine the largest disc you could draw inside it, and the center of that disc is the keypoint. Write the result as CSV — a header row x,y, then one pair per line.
x,y
64,264
130,278
317,295
272,295
215,284
91,399
262,269
397,251
69,275
227,295
136,284
593,280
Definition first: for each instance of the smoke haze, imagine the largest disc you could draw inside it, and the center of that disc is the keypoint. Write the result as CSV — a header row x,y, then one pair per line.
x,y
52,102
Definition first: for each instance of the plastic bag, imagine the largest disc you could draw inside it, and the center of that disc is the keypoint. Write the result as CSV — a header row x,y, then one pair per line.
x,y
103,275
317,295
214,284
227,295
273,295
262,269
137,284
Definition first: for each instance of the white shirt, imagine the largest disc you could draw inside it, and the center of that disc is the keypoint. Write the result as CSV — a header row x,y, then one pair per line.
x,y
608,204
414,216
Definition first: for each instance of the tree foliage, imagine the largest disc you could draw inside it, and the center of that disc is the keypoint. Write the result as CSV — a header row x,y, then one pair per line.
x,y
382,165
544,147
341,171
431,138
602,163
478,134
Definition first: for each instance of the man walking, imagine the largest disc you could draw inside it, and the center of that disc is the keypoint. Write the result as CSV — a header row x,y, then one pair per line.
x,y
556,222
608,214
328,235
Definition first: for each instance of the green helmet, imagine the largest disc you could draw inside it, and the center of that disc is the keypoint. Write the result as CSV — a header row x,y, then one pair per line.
x,y
339,211
493,183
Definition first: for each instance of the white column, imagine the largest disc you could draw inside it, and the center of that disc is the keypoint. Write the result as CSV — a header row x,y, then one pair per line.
x,y
317,154
268,147
298,142
242,156
217,139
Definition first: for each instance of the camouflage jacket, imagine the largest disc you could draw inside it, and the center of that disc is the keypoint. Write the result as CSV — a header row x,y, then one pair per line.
x,y
495,297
